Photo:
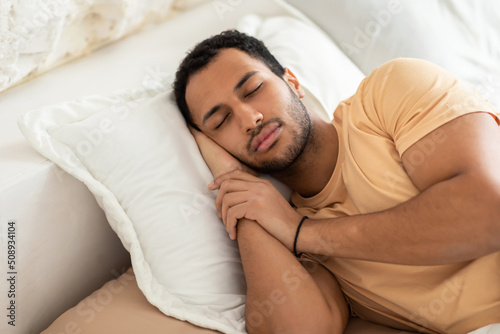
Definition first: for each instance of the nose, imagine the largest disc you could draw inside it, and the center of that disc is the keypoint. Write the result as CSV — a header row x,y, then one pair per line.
x,y
249,118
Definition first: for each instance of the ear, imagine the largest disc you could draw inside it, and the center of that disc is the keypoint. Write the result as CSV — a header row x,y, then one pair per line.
x,y
293,82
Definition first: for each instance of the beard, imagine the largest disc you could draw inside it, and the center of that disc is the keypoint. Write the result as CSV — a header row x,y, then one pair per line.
x,y
297,111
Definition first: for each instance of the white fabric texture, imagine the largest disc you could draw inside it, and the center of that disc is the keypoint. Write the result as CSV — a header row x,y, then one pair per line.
x,y
460,36
136,156
37,36
490,329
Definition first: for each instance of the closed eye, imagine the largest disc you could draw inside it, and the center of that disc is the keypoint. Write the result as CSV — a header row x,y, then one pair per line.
x,y
253,91
225,117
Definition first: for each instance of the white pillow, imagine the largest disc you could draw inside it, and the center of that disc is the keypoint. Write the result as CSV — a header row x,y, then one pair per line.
x,y
136,156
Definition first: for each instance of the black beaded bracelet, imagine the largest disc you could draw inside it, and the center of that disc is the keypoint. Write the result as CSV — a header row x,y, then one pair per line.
x,y
297,236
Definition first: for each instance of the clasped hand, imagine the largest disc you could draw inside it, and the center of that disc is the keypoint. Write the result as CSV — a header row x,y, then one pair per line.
x,y
242,195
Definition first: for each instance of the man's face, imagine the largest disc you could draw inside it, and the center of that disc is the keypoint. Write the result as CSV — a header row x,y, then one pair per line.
x,y
248,110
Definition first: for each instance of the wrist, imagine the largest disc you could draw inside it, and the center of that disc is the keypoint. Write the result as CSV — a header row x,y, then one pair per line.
x,y
302,220
247,227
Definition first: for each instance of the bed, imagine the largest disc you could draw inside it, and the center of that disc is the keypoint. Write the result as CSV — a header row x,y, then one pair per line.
x,y
66,247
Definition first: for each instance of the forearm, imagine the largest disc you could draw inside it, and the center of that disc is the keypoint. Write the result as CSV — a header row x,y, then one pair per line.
x,y
452,221
282,297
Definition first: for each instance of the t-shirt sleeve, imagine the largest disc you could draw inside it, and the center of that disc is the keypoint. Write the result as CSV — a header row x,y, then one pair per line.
x,y
410,98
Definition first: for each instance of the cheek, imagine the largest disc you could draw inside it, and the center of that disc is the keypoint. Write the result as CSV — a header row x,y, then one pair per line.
x,y
274,97
275,104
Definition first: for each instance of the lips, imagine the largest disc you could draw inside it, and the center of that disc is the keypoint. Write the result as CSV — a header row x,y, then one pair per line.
x,y
266,137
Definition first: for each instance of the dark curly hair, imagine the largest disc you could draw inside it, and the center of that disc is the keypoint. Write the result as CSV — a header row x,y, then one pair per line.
x,y
205,51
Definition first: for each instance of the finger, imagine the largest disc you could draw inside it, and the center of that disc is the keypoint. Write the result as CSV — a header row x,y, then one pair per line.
x,y
234,213
231,200
230,186
233,175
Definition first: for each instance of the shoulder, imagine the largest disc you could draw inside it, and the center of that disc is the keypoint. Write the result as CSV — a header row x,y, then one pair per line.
x,y
408,72
404,82
408,65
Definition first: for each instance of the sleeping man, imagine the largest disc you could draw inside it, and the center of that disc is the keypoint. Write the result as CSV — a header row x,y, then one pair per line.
x,y
394,220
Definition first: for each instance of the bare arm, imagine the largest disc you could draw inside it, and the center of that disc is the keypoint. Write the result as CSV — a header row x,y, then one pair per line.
x,y
282,295
455,218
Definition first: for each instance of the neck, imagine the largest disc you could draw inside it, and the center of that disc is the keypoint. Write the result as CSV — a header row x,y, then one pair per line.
x,y
312,170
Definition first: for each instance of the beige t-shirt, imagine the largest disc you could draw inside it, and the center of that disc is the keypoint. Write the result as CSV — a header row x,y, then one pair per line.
x,y
394,107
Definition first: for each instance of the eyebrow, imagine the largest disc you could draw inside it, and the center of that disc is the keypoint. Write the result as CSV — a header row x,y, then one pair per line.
x,y
243,80
210,113
240,83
